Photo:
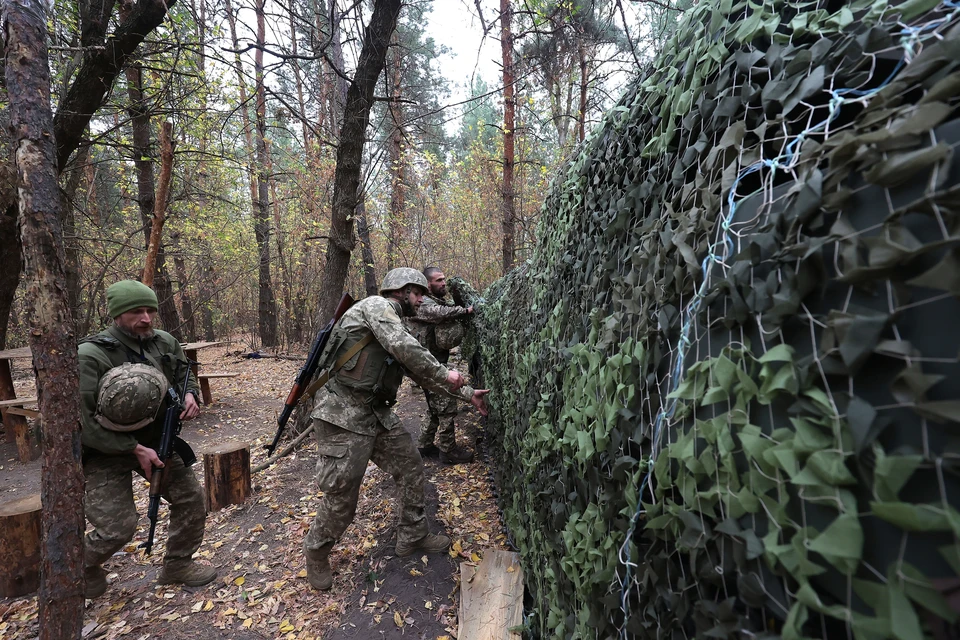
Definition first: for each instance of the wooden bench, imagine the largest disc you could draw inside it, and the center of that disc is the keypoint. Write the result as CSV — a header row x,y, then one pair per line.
x,y
17,408
205,378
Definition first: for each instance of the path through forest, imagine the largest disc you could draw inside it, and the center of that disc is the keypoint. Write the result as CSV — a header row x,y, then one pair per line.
x,y
262,591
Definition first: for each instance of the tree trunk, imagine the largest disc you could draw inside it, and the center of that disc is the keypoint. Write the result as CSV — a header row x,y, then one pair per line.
x,y
75,174
338,97
508,222
147,196
584,84
397,220
52,339
346,182
160,204
267,307
186,302
369,264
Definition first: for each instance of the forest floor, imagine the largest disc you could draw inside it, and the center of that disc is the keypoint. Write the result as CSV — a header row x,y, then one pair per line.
x,y
261,590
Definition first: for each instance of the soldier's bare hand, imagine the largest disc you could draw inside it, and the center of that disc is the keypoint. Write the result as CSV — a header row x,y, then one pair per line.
x,y
190,408
470,309
148,459
478,401
455,379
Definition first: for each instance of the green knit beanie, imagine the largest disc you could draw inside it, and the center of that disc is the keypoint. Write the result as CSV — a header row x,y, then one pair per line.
x,y
129,294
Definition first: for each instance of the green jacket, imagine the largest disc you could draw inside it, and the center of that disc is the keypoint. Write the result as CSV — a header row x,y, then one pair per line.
x,y
111,348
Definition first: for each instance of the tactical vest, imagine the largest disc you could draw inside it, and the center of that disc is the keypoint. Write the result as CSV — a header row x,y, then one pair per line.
x,y
372,371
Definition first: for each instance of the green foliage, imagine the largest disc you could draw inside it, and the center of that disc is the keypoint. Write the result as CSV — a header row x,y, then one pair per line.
x,y
725,383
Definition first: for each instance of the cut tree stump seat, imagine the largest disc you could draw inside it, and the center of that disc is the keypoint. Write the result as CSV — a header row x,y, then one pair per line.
x,y
204,379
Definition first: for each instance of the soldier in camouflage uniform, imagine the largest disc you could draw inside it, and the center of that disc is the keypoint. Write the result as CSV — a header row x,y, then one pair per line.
x,y
435,326
367,354
124,371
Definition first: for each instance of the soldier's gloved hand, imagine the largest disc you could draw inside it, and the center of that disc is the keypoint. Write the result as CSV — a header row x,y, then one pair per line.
x,y
455,379
148,459
478,401
190,407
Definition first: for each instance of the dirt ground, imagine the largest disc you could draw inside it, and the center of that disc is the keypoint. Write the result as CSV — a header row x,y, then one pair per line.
x,y
261,591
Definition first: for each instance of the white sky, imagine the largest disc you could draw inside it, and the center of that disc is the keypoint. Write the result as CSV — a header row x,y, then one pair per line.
x,y
454,24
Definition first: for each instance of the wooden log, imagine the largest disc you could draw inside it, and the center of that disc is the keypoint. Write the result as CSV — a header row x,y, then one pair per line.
x,y
491,597
20,546
226,473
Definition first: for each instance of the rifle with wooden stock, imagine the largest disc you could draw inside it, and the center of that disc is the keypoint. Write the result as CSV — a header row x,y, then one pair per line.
x,y
308,370
169,442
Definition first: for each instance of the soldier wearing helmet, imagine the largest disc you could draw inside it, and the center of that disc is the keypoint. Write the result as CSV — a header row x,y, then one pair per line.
x,y
437,327
367,355
125,372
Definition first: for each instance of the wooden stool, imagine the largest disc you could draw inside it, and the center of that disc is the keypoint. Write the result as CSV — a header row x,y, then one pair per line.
x,y
20,546
226,475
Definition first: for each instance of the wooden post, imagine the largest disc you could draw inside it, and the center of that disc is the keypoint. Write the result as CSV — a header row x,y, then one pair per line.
x,y
16,426
226,473
20,546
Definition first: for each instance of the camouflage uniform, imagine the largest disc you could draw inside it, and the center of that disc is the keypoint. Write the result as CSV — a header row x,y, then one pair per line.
x,y
354,425
108,455
443,409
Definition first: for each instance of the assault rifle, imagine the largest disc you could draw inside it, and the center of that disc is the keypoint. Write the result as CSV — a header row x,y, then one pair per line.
x,y
308,370
168,443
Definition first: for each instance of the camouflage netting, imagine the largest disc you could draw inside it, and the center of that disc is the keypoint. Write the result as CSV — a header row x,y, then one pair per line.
x,y
726,388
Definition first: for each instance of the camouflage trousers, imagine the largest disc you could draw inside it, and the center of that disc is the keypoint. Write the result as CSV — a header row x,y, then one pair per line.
x,y
341,462
109,506
443,411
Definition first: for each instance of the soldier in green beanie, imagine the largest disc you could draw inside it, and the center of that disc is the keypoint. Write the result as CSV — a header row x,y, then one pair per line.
x,y
113,449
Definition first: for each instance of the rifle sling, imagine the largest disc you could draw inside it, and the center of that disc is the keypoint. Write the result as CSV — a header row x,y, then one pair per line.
x,y
314,386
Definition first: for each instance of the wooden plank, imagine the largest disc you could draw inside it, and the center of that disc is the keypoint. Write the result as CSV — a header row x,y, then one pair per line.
x,y
219,374
491,597
17,402
20,411
16,354
193,346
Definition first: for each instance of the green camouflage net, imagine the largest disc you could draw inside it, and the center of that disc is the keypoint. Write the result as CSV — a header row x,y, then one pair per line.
x,y
726,387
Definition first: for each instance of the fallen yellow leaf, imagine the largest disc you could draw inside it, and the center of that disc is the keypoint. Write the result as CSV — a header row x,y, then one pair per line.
x,y
475,557
208,606
415,573
398,619
286,627
455,549
428,605
195,608
229,612
302,574
239,581
248,623
511,569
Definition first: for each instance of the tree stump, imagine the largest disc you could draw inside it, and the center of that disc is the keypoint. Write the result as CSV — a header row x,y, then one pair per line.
x,y
226,472
20,546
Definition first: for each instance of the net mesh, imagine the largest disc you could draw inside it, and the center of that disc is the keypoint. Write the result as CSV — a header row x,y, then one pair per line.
x,y
726,391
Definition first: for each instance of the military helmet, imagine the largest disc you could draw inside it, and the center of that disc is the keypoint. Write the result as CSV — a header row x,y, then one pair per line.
x,y
401,277
129,396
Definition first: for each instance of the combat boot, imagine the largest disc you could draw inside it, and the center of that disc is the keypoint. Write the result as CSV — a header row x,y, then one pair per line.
x,y
186,572
318,567
95,582
430,543
456,455
429,451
